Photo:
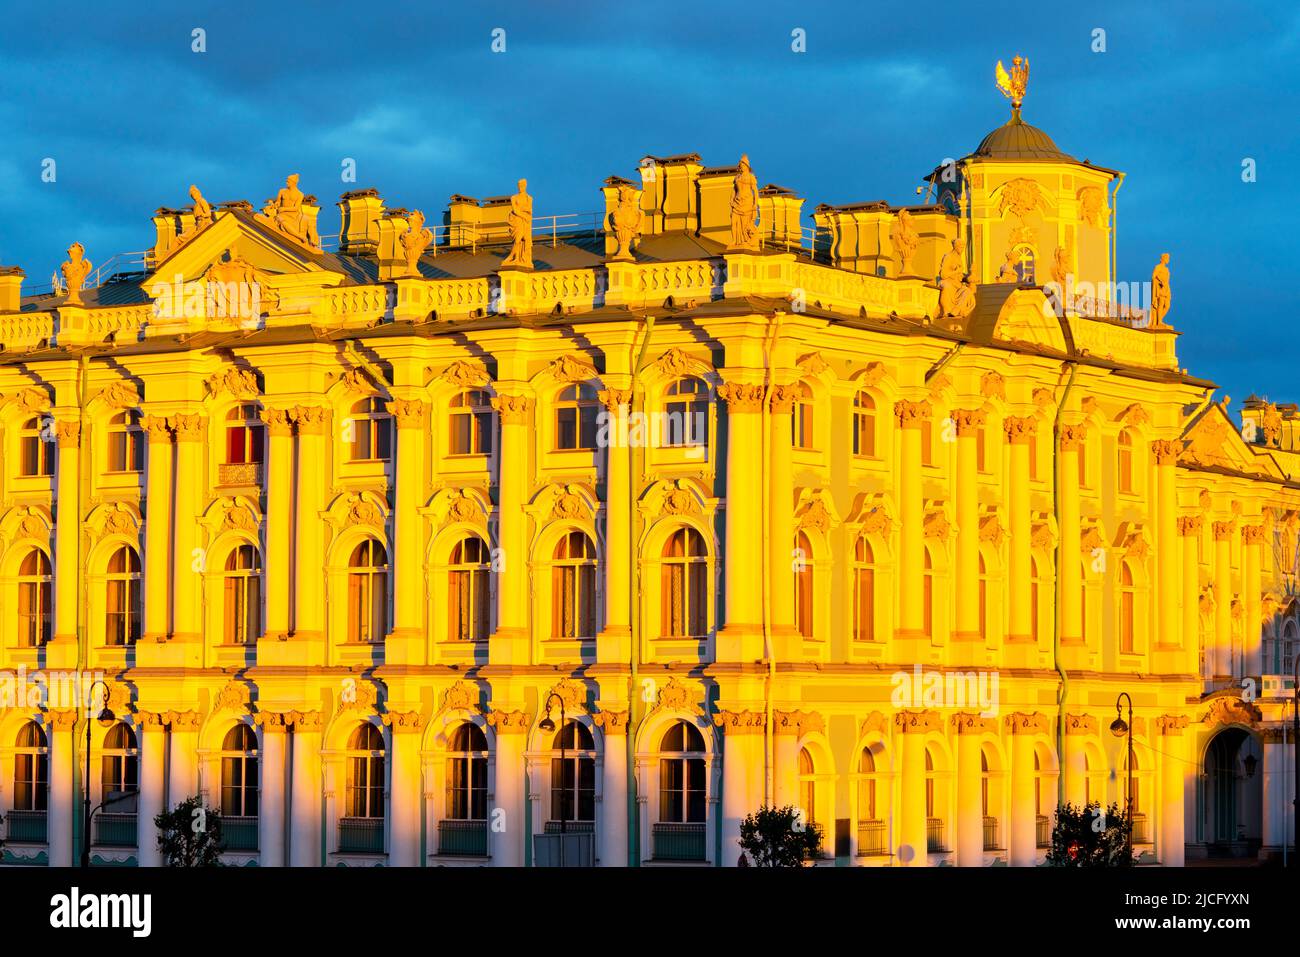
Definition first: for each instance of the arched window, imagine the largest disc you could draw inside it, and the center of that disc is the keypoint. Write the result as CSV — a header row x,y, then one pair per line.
x,y
1124,463
686,413
984,790
364,794
1035,594
468,595
807,787
241,593
1288,649
470,423
34,596
864,591
681,775
1023,257
122,598
803,585
31,770
864,425
239,781
1127,600
573,587
929,784
372,432
867,810
983,597
685,585
36,447
801,419
244,436
125,443
368,592
927,594
577,413
467,757
573,776
119,762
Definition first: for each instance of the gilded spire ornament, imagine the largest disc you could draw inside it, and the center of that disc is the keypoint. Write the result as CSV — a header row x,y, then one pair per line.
x,y
1012,85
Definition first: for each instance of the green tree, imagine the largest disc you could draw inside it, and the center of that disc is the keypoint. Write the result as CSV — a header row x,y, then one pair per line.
x,y
1090,837
189,835
779,837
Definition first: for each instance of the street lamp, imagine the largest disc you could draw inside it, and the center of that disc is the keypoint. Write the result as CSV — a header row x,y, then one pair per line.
x,y
1121,728
105,718
1295,746
548,726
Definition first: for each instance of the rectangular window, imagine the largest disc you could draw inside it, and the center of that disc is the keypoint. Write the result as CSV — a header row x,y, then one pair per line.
x,y
685,423
37,456
864,435
471,433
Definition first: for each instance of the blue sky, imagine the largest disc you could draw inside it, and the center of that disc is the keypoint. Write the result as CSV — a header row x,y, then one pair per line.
x,y
416,96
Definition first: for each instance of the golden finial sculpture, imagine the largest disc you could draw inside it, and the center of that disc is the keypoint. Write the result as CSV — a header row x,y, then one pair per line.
x,y
1012,85
75,271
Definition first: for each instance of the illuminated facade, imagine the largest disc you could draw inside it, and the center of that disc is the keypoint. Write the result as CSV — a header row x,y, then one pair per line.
x,y
334,522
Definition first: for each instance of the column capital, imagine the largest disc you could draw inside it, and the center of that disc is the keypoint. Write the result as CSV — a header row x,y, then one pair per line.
x,y
797,723
404,720
909,414
513,409
304,720
188,426
1171,724
783,398
1166,451
277,422
1072,436
1223,531
509,722
409,413
740,722
971,722
1080,724
68,433
968,421
613,722
272,721
1032,722
1019,428
614,399
63,719
1252,534
742,396
1190,524
918,722
310,419
158,428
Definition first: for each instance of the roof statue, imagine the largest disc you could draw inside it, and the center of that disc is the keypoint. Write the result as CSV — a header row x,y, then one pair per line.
x,y
520,221
1009,273
956,289
906,240
626,220
1012,85
75,271
202,209
415,241
286,214
1160,294
744,207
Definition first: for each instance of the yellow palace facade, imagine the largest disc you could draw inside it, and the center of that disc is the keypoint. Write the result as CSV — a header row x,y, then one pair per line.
x,y
416,546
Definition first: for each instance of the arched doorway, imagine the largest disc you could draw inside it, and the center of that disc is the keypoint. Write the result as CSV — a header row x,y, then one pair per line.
x,y
1232,795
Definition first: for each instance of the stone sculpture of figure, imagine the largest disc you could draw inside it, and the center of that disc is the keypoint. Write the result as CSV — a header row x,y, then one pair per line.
x,y
626,220
1008,272
415,241
956,291
1160,294
744,207
1271,424
202,209
906,240
520,221
287,214
1061,265
75,271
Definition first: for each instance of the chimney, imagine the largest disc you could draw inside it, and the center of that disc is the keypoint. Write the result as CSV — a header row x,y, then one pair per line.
x,y
11,288
359,212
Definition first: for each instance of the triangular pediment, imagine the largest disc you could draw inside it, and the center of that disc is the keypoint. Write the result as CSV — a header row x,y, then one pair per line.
x,y
1213,441
1027,318
243,238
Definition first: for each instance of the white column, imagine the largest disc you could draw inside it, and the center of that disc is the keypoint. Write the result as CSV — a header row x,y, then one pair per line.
x,y
182,763
613,791
62,805
742,781
404,795
270,803
970,804
912,850
1075,766
507,845
153,752
1173,784
304,835
1022,836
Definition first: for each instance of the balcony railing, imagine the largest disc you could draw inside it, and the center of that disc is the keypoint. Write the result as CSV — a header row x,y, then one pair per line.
x,y
1042,831
241,473
934,842
678,842
1140,835
991,834
872,839
25,827
361,835
115,830
463,838
239,833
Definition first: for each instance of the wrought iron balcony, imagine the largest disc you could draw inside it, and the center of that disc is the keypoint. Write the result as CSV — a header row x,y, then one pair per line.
x,y
239,833
361,835
678,842
25,827
463,838
241,473
934,842
115,830
1140,832
872,839
1042,831
991,834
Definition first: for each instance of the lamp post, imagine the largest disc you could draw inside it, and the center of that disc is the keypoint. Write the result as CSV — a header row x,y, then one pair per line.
x,y
548,726
1295,750
105,718
1121,728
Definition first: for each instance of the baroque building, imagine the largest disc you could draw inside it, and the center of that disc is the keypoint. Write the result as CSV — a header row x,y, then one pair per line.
x,y
418,545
